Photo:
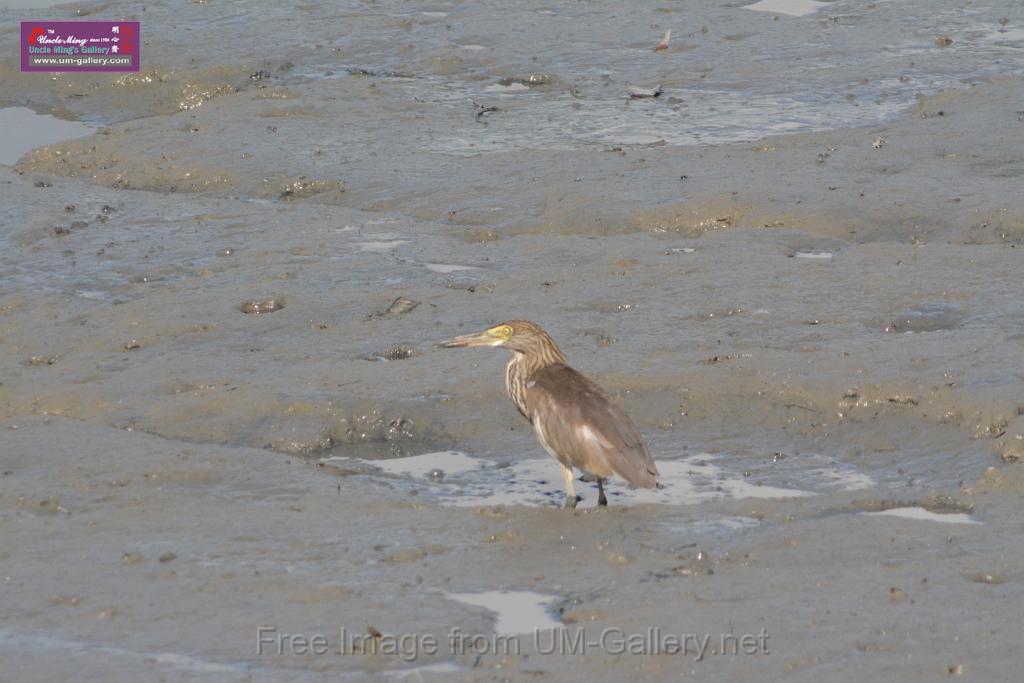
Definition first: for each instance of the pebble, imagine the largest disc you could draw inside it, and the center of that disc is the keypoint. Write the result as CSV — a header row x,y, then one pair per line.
x,y
402,305
131,558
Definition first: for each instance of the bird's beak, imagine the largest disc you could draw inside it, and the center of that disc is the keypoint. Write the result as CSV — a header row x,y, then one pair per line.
x,y
468,340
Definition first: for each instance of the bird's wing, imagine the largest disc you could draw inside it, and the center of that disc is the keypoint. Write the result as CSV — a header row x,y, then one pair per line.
x,y
577,421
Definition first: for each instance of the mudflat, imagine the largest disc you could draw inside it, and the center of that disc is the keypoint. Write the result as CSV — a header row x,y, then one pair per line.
x,y
229,450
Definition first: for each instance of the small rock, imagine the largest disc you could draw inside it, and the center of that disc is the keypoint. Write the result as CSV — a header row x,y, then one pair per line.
x,y
167,557
402,305
131,558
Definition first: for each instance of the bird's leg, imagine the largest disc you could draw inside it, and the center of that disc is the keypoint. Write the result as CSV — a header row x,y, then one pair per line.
x,y
570,490
601,500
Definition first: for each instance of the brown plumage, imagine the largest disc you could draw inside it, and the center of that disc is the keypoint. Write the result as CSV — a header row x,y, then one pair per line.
x,y
573,418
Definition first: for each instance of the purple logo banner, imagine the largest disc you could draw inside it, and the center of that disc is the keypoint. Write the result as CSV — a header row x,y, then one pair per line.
x,y
79,45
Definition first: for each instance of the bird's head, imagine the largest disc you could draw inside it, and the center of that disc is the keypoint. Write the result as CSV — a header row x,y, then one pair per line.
x,y
520,336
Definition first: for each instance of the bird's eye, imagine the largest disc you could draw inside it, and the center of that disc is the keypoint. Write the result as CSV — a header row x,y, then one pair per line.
x,y
506,331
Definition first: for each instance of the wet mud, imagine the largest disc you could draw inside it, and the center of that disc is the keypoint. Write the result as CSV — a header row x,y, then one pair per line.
x,y
797,269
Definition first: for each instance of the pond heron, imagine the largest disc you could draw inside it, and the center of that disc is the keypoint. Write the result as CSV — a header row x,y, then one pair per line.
x,y
573,418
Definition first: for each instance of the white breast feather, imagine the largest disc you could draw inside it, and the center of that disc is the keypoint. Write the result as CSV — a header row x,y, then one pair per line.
x,y
538,429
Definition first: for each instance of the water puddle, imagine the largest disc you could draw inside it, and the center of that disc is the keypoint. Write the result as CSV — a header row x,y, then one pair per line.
x,y
700,116
29,4
722,526
446,268
515,612
436,466
22,130
415,673
925,515
816,255
794,8
932,317
510,88
455,479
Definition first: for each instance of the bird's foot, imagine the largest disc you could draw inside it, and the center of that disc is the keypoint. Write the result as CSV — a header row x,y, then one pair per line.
x,y
570,502
602,501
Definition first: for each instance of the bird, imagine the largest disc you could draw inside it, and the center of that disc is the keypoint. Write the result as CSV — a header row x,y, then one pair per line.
x,y
572,417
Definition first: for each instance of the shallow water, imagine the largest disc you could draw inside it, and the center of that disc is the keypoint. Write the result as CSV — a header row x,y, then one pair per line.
x,y
926,515
795,8
456,479
21,130
515,612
